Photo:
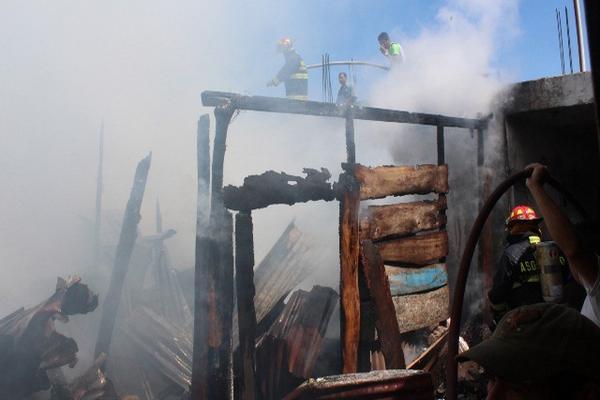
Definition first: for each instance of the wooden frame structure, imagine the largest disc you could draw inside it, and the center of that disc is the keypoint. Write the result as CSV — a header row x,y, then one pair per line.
x,y
212,375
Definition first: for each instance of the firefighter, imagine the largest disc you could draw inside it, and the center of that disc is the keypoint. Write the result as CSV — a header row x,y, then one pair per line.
x,y
517,280
392,50
293,73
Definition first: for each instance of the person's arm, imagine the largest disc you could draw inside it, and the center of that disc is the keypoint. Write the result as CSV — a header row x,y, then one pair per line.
x,y
583,263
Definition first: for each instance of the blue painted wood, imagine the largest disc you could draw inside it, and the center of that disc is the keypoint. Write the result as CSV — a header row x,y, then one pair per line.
x,y
414,280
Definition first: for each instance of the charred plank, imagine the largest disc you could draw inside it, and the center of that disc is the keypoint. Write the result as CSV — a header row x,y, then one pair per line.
x,y
410,309
381,222
387,326
259,191
385,181
415,250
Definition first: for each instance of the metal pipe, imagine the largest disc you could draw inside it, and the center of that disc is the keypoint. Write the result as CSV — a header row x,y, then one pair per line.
x,y
365,63
580,47
560,42
465,263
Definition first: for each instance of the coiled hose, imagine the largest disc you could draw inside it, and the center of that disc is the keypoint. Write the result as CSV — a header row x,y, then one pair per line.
x,y
465,263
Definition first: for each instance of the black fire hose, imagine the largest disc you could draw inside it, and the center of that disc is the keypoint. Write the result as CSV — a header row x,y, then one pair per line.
x,y
465,263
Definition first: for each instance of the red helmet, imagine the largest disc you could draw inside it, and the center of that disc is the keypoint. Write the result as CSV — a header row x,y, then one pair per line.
x,y
284,43
522,214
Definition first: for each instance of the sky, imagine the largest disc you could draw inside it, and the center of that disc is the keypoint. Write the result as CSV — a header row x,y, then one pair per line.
x,y
140,66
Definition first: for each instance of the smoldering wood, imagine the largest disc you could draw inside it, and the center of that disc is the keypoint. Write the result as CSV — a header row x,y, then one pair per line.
x,y
123,254
202,258
244,277
259,191
410,309
428,357
289,106
415,280
349,259
379,182
382,222
415,250
385,321
350,144
225,299
287,353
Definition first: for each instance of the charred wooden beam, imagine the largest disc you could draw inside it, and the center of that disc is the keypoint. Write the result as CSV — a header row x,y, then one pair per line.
x,y
259,191
415,311
385,181
350,145
123,254
203,244
349,259
415,250
381,222
387,326
288,106
244,277
225,301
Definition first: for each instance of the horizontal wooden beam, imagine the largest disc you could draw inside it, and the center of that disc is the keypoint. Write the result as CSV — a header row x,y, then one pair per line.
x,y
380,222
316,108
415,250
379,182
416,311
416,280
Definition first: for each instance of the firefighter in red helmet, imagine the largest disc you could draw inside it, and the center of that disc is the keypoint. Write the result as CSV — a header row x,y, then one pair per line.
x,y
293,73
517,280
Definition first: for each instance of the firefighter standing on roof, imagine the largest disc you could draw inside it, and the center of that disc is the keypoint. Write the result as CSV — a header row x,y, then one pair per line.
x,y
517,280
293,73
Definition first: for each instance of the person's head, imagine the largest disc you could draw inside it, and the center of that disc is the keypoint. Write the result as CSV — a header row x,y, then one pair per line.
x,y
540,351
284,45
523,219
384,39
342,78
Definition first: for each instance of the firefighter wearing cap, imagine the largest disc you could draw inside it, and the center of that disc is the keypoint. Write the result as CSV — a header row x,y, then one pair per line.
x,y
517,279
293,73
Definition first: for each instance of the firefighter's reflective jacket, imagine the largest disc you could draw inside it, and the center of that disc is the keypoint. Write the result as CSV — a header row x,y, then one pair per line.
x,y
517,279
294,75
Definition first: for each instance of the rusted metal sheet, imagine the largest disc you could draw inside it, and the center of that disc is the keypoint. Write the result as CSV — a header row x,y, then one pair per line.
x,y
398,384
286,355
416,280
401,219
385,181
415,250
349,259
385,321
415,311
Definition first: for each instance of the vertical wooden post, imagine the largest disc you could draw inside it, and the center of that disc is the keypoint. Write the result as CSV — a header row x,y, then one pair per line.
x,y
218,276
123,255
99,183
349,257
200,346
244,278
441,151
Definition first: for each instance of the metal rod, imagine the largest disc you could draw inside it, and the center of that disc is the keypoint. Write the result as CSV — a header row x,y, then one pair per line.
x,y
560,42
580,47
290,106
569,39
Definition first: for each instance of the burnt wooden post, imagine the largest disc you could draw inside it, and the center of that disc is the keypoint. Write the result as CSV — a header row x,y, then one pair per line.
x,y
349,258
123,255
441,151
219,273
244,279
386,322
203,243
350,145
